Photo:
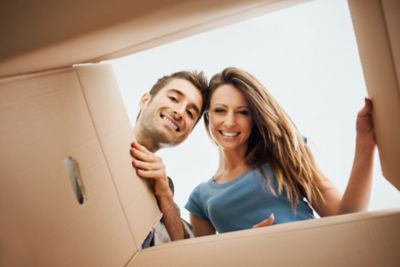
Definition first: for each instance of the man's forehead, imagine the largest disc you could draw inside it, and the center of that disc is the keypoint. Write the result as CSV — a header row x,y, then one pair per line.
x,y
186,89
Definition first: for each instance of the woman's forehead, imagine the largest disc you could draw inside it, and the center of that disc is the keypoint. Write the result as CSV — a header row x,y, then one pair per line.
x,y
228,95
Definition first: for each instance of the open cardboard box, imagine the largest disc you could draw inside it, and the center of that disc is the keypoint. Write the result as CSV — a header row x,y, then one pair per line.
x,y
50,110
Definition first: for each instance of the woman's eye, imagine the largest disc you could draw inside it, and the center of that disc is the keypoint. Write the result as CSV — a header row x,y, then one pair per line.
x,y
219,110
244,112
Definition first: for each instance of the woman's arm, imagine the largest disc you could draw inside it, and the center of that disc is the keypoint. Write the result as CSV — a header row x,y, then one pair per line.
x,y
201,227
358,190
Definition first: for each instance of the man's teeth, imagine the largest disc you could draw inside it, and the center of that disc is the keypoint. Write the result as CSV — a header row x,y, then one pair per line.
x,y
230,134
170,123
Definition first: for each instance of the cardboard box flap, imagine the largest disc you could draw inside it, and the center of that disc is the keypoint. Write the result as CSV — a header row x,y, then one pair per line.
x,y
44,34
376,25
115,135
362,239
44,119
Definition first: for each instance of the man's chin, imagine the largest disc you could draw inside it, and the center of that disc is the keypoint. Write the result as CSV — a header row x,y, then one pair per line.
x,y
169,139
165,142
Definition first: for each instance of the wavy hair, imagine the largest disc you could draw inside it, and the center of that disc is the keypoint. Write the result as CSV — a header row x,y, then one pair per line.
x,y
274,139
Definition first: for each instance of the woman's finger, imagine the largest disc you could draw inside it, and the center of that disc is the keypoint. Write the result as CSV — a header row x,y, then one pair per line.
x,y
267,222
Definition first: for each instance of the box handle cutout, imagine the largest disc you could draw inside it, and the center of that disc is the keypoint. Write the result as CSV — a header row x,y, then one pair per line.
x,y
71,166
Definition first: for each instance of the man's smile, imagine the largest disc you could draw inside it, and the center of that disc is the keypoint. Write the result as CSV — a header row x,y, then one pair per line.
x,y
170,121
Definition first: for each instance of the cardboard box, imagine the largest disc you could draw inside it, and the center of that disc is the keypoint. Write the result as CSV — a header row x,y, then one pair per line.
x,y
77,113
363,239
47,35
376,25
63,111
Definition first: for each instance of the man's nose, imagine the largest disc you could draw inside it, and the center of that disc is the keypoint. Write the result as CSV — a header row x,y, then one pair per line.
x,y
179,110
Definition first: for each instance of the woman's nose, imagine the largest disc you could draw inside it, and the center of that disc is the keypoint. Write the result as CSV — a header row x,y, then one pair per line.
x,y
229,119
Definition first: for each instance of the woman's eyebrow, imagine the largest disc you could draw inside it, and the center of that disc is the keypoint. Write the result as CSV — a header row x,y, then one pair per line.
x,y
224,105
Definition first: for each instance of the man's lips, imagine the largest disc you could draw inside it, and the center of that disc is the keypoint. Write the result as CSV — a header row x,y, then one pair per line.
x,y
171,122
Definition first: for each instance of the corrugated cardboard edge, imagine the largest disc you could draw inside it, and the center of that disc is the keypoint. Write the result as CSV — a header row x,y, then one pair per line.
x,y
360,239
158,26
233,15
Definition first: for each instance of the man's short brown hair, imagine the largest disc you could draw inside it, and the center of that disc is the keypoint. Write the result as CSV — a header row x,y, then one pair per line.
x,y
197,78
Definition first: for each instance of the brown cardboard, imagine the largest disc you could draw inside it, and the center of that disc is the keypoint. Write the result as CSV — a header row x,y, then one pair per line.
x,y
44,35
114,132
45,118
362,239
376,25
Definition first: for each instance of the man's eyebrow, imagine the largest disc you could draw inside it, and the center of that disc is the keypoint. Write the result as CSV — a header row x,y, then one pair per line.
x,y
182,94
176,91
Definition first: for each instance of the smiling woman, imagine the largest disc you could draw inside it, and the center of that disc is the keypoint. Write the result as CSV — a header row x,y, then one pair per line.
x,y
230,119
267,174
311,66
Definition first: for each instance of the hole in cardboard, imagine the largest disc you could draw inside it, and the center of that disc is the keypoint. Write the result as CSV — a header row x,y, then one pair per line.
x,y
72,169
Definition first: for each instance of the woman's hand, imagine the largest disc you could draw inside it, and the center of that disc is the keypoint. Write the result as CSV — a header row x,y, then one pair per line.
x,y
267,222
364,124
150,166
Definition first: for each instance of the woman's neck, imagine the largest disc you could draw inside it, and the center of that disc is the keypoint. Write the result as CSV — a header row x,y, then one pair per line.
x,y
231,165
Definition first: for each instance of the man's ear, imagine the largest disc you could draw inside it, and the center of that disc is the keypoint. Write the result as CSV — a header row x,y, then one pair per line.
x,y
144,100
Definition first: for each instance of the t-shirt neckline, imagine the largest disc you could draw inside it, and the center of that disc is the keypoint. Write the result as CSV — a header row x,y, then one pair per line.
x,y
215,184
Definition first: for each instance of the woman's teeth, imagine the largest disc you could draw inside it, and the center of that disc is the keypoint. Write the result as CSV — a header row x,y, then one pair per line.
x,y
229,134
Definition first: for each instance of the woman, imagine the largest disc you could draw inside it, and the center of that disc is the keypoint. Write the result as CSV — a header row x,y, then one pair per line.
x,y
266,172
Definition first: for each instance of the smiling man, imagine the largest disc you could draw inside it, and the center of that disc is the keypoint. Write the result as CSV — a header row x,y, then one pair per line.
x,y
168,114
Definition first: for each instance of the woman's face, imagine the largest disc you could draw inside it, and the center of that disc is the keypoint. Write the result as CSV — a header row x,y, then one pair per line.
x,y
230,118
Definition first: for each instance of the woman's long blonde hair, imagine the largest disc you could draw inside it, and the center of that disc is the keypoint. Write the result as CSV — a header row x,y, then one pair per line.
x,y
274,138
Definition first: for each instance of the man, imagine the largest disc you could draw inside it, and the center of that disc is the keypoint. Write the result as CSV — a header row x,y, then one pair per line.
x,y
168,114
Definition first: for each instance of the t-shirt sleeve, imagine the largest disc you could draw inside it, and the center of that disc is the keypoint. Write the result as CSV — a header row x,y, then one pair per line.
x,y
195,204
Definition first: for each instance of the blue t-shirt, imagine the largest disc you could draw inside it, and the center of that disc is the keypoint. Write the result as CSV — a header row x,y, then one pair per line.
x,y
244,202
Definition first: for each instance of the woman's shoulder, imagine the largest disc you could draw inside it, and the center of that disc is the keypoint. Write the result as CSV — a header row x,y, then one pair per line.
x,y
202,186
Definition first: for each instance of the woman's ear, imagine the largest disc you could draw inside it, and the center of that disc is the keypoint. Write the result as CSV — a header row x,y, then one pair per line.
x,y
144,100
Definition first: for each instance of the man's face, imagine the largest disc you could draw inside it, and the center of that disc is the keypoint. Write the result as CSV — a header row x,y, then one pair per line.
x,y
169,116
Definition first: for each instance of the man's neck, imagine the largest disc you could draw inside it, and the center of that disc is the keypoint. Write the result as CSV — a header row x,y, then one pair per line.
x,y
145,139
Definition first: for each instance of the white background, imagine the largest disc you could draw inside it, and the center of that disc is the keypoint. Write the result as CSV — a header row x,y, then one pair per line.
x,y
305,55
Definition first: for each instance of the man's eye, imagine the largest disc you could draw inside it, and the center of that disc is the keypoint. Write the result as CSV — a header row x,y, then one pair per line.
x,y
190,114
173,99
